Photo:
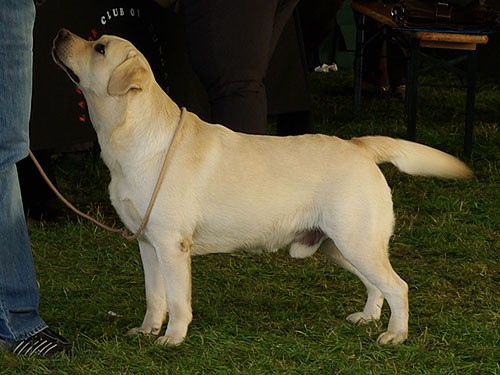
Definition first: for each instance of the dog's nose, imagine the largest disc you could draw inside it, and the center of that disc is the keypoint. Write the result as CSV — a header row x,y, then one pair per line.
x,y
62,34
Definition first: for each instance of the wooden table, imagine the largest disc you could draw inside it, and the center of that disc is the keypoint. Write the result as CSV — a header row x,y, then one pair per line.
x,y
419,38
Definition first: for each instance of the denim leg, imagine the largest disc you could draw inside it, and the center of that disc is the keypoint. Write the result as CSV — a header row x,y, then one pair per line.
x,y
18,287
19,296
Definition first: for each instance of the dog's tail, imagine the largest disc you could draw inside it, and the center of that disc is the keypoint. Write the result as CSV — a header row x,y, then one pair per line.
x,y
413,158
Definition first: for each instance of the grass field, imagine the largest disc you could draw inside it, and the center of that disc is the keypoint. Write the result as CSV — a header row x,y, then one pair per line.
x,y
269,314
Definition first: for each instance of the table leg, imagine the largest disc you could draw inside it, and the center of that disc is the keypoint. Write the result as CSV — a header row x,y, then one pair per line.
x,y
412,90
471,96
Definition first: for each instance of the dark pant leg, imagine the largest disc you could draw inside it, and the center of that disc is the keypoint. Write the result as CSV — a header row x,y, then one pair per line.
x,y
230,44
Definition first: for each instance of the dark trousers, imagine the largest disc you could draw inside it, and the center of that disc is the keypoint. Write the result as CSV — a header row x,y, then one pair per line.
x,y
230,44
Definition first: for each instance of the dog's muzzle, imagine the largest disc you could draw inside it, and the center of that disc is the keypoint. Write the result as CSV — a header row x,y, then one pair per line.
x,y
59,44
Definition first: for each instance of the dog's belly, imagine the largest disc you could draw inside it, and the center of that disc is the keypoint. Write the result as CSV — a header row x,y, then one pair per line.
x,y
222,243
267,243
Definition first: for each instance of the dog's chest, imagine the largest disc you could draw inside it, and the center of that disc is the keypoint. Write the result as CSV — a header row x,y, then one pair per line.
x,y
123,197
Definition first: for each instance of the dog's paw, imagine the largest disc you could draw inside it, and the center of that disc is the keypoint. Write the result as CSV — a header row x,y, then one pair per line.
x,y
169,340
360,318
173,336
392,337
144,331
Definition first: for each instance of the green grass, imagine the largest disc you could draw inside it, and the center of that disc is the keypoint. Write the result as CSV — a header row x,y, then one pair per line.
x,y
263,314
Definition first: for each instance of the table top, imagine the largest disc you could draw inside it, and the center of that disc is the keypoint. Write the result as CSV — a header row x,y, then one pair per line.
x,y
378,10
381,12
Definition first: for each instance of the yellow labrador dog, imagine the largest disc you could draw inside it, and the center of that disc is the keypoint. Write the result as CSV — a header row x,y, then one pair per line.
x,y
225,191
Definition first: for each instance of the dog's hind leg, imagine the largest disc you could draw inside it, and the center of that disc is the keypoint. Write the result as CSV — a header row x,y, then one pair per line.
x,y
375,300
372,266
156,298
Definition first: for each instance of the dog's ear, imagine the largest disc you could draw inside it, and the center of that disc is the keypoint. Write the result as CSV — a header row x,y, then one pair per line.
x,y
129,75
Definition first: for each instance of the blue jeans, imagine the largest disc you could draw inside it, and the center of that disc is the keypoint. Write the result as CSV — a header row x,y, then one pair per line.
x,y
19,295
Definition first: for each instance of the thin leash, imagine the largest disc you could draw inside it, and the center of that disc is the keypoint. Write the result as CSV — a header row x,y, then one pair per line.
x,y
123,231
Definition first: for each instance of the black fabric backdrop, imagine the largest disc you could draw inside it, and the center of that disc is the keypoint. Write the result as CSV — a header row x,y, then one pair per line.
x,y
59,117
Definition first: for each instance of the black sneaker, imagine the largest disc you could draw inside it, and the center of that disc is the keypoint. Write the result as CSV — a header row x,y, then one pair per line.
x,y
45,344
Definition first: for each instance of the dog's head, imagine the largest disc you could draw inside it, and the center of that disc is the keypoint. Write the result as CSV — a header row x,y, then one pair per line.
x,y
107,67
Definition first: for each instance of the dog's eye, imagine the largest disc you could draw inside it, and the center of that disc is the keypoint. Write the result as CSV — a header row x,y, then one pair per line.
x,y
100,48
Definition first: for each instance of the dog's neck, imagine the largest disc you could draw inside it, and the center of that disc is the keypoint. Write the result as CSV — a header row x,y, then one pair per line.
x,y
139,120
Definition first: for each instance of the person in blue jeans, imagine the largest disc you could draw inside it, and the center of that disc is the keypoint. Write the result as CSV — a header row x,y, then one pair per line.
x,y
22,330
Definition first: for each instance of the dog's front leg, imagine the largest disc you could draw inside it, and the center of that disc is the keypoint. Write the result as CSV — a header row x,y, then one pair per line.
x,y
156,298
175,263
